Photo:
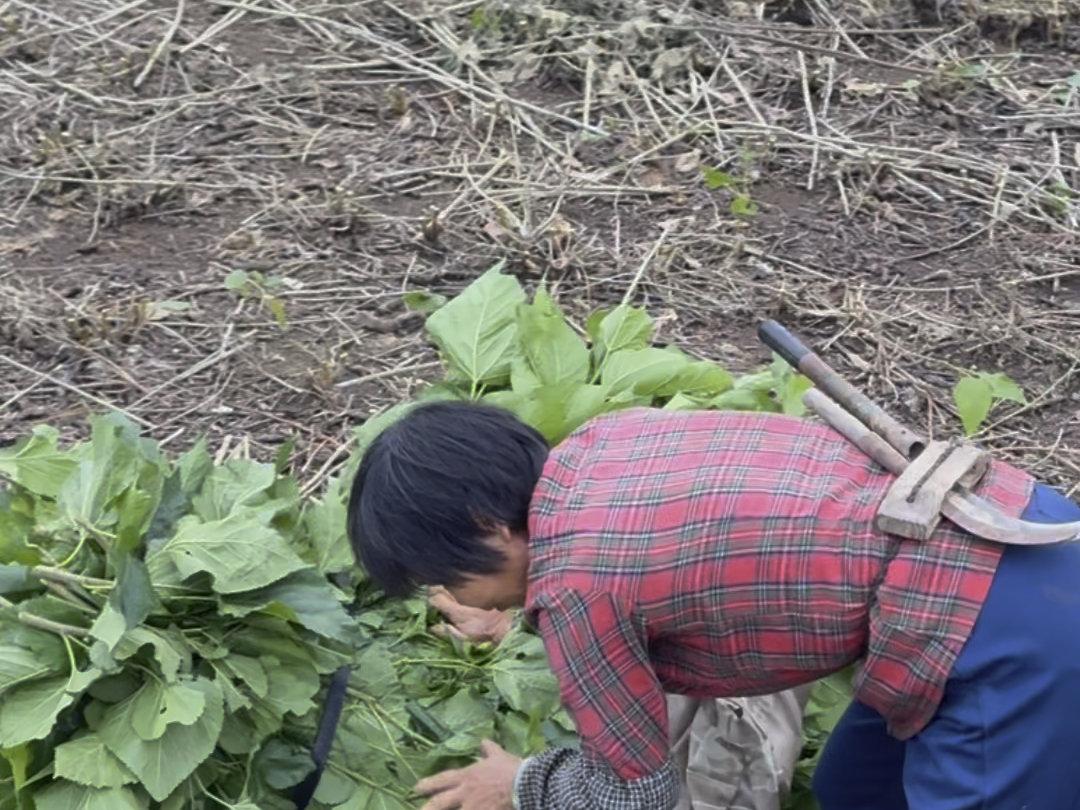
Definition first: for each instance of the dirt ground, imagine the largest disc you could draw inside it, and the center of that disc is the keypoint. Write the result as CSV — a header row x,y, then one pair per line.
x,y
209,210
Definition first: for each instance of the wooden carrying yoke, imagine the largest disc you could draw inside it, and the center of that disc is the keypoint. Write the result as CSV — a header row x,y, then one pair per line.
x,y
934,479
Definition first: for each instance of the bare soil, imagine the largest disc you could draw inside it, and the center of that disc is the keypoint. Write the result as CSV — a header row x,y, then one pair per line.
x,y
900,189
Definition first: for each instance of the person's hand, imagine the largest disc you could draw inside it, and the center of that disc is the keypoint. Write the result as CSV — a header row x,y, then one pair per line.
x,y
467,623
485,785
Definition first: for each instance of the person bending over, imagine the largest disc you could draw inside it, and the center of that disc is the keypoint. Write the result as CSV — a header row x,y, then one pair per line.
x,y
737,753
718,554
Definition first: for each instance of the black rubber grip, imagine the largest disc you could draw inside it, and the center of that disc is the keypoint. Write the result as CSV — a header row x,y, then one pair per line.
x,y
324,737
781,341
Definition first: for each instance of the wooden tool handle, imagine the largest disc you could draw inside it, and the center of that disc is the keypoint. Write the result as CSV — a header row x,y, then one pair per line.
x,y
796,354
781,341
855,431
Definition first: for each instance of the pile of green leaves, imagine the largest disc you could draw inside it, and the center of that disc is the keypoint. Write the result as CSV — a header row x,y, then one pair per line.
x,y
161,623
168,626
418,705
500,348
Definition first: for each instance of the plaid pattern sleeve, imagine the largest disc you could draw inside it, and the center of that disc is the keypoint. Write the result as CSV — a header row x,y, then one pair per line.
x,y
563,779
592,641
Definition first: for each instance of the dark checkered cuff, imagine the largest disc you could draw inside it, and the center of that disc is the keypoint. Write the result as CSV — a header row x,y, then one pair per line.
x,y
563,779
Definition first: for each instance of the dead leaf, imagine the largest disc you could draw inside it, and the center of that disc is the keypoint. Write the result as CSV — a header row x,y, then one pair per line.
x,y
494,230
688,162
864,89
18,245
432,226
613,79
652,177
669,62
508,220
468,52
398,100
239,241
561,233
160,310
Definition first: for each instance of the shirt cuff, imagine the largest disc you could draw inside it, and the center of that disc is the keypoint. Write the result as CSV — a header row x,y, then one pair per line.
x,y
517,781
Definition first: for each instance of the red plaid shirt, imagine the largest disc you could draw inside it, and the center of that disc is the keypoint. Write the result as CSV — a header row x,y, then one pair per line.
x,y
731,554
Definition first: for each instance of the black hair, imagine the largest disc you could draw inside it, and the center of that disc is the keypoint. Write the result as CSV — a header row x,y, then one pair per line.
x,y
432,485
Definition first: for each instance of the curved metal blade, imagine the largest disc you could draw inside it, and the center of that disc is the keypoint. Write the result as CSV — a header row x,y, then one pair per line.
x,y
983,519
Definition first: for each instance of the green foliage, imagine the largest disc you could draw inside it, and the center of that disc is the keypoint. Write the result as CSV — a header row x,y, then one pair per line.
x,y
1064,92
975,395
525,356
828,700
476,333
38,464
168,624
253,284
715,178
741,204
420,704
1058,199
184,665
423,301
167,608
